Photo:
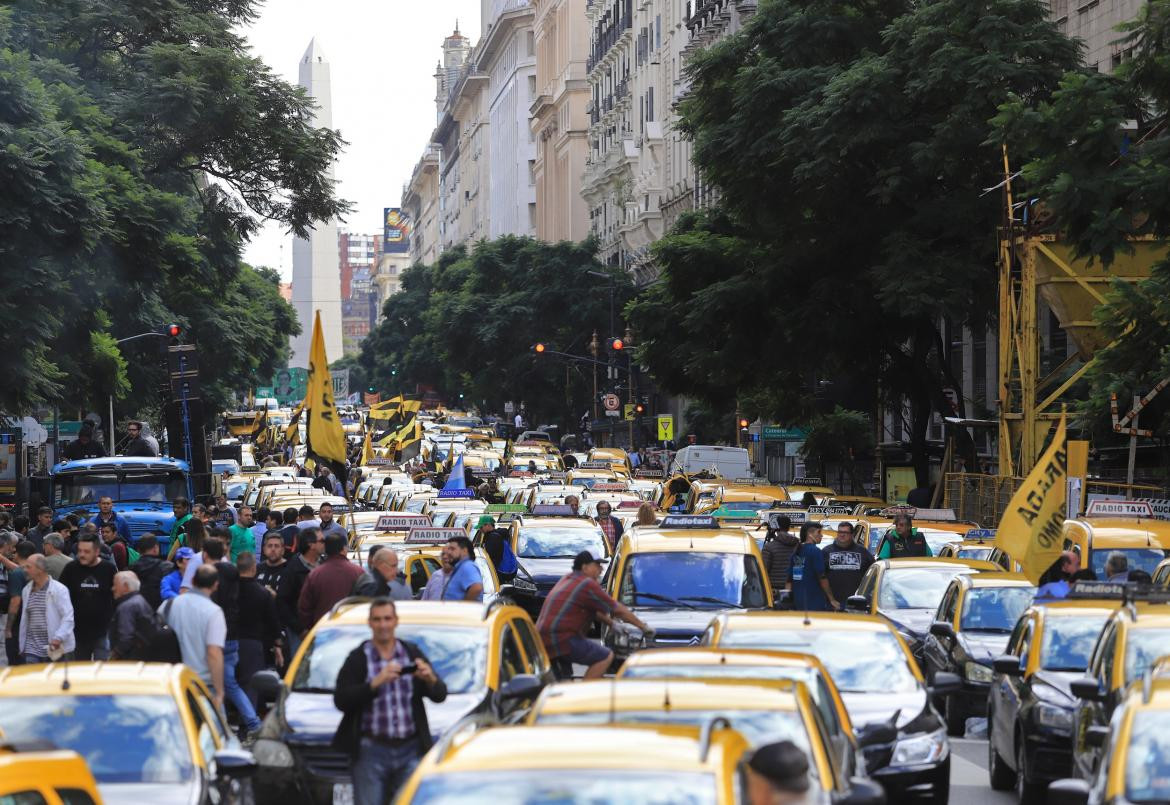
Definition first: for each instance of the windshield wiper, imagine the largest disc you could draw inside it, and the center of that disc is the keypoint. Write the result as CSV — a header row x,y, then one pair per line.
x,y
665,599
706,599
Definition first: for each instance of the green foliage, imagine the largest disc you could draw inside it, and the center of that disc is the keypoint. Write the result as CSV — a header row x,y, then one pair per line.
x,y
851,140
838,437
141,145
468,323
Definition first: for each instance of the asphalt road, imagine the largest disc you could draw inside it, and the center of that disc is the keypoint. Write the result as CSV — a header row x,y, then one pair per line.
x,y
969,784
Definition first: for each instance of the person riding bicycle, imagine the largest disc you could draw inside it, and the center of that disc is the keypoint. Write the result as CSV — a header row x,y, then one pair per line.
x,y
569,611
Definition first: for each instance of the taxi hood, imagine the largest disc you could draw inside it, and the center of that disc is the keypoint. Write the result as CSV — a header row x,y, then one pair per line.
x,y
915,621
677,624
188,793
866,708
983,647
1058,681
311,717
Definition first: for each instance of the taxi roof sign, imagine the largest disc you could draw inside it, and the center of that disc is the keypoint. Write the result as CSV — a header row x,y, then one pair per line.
x,y
829,511
552,510
630,504
596,465
787,504
401,521
980,533
457,493
433,536
505,508
810,480
1119,508
611,486
688,521
893,511
794,517
644,473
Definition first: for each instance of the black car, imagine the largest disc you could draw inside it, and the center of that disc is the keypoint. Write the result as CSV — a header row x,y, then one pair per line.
x,y
970,630
546,546
1030,709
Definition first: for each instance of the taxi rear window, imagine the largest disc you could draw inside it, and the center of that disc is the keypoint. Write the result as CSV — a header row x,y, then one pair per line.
x,y
594,786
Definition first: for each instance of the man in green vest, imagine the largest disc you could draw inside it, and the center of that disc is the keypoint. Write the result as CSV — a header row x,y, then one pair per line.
x,y
903,541
182,509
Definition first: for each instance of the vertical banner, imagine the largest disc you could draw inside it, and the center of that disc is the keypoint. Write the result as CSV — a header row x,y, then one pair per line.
x,y
1031,527
324,439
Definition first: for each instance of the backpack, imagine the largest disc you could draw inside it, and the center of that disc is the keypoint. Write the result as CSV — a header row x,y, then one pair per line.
x,y
508,563
160,642
132,555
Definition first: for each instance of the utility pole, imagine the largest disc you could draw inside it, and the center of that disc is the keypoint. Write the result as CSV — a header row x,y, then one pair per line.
x,y
630,382
594,350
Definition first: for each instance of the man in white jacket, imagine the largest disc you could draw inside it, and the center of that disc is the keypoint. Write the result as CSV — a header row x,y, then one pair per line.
x,y
46,628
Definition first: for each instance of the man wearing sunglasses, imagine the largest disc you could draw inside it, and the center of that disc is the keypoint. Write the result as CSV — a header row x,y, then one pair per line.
x,y
137,446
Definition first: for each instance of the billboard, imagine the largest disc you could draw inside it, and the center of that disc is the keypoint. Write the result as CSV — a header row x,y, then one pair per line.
x,y
340,383
395,231
289,386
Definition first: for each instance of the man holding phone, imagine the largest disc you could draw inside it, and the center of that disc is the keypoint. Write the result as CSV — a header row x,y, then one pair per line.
x,y
380,691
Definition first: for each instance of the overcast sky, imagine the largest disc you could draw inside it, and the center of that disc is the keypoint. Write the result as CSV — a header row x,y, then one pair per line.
x,y
382,56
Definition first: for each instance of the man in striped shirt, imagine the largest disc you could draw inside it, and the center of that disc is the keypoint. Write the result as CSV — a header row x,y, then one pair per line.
x,y
569,610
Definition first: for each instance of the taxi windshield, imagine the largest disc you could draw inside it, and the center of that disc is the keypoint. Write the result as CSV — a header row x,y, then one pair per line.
x,y
1146,559
1144,647
124,739
458,654
415,505
235,490
746,505
547,542
869,663
692,579
568,787
978,552
1068,642
758,726
914,587
994,609
1147,761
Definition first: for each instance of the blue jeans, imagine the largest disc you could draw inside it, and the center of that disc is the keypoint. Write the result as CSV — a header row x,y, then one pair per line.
x,y
381,769
234,693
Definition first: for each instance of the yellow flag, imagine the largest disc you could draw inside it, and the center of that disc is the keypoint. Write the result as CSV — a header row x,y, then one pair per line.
x,y
367,451
385,409
324,437
1031,527
292,434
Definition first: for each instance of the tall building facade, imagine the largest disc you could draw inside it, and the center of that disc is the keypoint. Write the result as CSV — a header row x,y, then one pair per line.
x,y
1095,22
358,257
420,204
316,276
559,120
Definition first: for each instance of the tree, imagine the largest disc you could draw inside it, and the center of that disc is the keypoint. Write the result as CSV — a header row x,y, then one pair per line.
x,y
145,144
838,439
850,140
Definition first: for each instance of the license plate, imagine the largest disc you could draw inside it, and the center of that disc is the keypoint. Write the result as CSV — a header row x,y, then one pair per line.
x,y
342,794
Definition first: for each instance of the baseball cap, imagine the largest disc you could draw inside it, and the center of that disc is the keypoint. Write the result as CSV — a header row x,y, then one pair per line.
x,y
183,553
585,558
485,520
784,764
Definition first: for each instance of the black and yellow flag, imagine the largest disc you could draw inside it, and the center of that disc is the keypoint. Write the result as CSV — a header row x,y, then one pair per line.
x,y
1031,527
292,434
260,427
324,438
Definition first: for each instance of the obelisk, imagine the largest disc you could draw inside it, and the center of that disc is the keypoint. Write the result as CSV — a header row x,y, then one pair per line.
x,y
316,277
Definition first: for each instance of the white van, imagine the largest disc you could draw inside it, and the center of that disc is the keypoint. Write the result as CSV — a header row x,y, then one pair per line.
x,y
728,462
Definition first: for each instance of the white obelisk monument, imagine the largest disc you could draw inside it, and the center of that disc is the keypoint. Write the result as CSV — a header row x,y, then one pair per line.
x,y
316,277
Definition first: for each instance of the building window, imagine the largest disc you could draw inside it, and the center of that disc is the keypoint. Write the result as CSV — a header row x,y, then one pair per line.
x,y
650,104
531,42
531,87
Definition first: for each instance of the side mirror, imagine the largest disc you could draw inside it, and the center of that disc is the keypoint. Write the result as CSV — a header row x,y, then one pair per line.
x,y
1068,791
857,603
521,687
1096,736
783,601
234,764
267,684
1086,688
942,629
863,791
876,733
946,682
1008,664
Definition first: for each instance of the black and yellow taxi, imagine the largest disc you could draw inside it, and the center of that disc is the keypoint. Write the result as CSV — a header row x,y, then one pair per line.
x,y
35,773
489,656
907,592
1030,708
601,765
1135,748
884,690
149,732
1133,638
677,574
546,541
800,487
619,459
1141,540
707,662
977,543
971,627
764,711
1161,575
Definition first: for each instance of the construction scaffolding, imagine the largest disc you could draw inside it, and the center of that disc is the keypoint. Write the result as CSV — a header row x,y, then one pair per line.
x,y
983,498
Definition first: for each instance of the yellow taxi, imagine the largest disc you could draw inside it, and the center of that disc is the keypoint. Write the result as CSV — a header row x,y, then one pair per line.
x,y
750,495
45,776
149,732
589,473
489,656
546,541
1135,748
904,739
977,543
762,710
598,764
618,459
810,486
1030,708
1161,574
1133,638
1143,542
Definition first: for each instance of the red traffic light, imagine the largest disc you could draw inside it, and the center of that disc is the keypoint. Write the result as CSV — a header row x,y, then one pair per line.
x,y
639,409
538,348
174,330
616,344
743,423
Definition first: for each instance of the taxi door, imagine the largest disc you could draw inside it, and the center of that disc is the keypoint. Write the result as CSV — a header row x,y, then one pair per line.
x,y
1004,696
211,733
418,570
1086,758
513,662
936,651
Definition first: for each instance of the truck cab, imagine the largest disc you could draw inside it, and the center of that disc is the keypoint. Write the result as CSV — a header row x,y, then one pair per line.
x,y
142,490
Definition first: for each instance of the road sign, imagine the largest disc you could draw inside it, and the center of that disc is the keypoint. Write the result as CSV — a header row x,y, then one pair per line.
x,y
509,407
611,402
629,411
615,413
775,433
665,428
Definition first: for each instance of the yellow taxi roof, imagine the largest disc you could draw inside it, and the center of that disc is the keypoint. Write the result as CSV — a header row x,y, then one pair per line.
x,y
1071,607
598,453
673,747
797,491
718,657
1127,532
936,561
734,494
817,621
991,578
646,539
530,521
1149,614
450,613
94,678
620,695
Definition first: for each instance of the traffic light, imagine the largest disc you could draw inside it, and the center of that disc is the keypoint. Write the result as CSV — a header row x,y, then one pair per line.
x,y
639,409
370,389
171,330
393,371
743,423
538,348
616,344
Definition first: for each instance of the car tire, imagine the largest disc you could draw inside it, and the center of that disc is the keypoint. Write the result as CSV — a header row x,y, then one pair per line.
x,y
1000,775
954,717
1028,793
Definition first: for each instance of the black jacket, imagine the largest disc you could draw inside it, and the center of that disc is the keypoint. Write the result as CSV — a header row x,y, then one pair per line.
x,y
258,619
289,592
150,571
352,695
227,595
138,447
130,627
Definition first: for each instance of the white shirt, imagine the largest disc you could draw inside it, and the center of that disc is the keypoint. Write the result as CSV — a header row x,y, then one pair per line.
x,y
198,623
58,619
519,421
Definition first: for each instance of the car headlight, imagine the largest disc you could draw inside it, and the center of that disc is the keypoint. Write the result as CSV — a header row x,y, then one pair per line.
x,y
626,637
927,747
976,672
272,753
1053,717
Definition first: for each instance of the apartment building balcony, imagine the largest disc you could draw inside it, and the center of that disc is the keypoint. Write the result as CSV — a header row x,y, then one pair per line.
x,y
608,33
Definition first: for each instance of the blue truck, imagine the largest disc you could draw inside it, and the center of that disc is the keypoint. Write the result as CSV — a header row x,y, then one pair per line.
x,y
142,490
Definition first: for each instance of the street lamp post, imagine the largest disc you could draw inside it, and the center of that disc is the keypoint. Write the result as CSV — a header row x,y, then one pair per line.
x,y
594,349
629,342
